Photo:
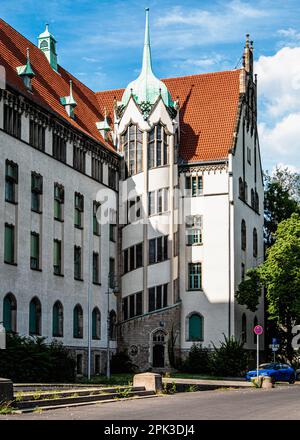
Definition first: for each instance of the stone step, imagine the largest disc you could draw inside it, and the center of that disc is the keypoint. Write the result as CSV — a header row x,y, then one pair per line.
x,y
41,395
66,401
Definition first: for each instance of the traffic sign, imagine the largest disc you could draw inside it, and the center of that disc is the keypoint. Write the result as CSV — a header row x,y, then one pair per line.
x,y
274,347
258,330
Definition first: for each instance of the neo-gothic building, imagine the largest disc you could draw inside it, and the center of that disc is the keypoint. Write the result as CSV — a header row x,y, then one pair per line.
x,y
181,159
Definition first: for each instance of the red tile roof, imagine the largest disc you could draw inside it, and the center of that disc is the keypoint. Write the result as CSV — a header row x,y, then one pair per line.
x,y
208,111
47,85
208,102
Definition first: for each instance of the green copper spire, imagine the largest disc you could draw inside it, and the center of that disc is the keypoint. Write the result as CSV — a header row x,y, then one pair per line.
x,y
69,102
26,70
147,88
47,44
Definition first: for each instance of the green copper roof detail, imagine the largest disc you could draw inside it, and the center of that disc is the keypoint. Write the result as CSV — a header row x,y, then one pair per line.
x,y
47,44
69,102
26,70
147,88
103,125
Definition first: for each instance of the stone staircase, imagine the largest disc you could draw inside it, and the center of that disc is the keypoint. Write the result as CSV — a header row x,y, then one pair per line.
x,y
27,399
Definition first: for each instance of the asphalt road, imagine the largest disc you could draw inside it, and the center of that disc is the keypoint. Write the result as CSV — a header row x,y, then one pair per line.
x,y
281,403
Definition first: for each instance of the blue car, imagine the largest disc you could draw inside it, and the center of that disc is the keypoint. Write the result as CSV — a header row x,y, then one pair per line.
x,y
278,372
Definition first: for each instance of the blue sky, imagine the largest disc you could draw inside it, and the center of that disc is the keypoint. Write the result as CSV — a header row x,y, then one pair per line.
x,y
101,41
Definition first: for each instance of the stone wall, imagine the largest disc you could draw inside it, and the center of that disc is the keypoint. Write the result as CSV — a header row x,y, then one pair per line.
x,y
136,336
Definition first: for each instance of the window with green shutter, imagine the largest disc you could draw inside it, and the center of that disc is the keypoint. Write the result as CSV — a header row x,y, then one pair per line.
x,y
57,320
35,317
58,201
57,267
35,251
9,313
96,323
79,202
78,322
195,282
36,192
195,328
11,181
9,244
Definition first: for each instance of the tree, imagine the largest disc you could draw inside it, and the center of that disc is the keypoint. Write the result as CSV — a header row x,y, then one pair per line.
x,y
282,198
280,275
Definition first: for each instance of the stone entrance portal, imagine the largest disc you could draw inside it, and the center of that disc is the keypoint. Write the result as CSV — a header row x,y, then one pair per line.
x,y
158,349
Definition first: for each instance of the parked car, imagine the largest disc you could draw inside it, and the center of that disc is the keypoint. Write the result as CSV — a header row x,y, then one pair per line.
x,y
278,372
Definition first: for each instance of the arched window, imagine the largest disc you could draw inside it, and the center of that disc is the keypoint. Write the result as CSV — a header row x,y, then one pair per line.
x,y
255,323
195,327
78,321
112,325
158,147
158,336
96,324
254,242
256,201
58,320
132,145
10,313
35,317
244,328
243,235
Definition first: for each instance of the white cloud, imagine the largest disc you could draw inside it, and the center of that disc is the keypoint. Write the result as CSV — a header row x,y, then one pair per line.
x,y
279,81
289,33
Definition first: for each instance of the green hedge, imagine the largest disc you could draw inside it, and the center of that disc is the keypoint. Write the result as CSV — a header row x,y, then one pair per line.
x,y
30,359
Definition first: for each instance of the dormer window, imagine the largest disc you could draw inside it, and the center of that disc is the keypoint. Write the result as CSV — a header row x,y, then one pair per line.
x,y
132,147
26,72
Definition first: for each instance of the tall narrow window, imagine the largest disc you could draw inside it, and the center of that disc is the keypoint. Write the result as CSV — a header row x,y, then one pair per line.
x,y
36,192
79,158
35,251
57,263
59,195
96,224
195,276
10,313
35,317
37,135
158,147
132,145
243,235
195,324
59,147
77,263
78,212
151,202
254,242
78,322
12,121
11,181
58,320
96,324
112,232
97,168
95,268
112,178
9,244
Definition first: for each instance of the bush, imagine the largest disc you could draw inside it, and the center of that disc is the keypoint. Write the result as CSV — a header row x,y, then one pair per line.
x,y
121,363
230,359
30,359
198,360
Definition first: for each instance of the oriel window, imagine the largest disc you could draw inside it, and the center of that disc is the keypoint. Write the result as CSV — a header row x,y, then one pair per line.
x,y
132,145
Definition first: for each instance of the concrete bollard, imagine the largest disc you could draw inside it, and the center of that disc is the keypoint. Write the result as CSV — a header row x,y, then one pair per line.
x,y
6,390
151,381
267,382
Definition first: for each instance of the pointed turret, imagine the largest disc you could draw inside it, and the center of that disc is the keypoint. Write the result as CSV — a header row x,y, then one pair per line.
x,y
248,56
103,126
26,72
69,102
147,88
47,44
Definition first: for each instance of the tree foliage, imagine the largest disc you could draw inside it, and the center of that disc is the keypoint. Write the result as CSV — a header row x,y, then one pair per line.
x,y
249,290
230,359
280,275
282,199
28,359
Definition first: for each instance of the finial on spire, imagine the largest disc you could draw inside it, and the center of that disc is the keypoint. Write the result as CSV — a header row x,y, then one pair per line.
x,y
247,40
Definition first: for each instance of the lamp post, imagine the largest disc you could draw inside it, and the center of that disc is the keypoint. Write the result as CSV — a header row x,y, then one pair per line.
x,y
108,328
